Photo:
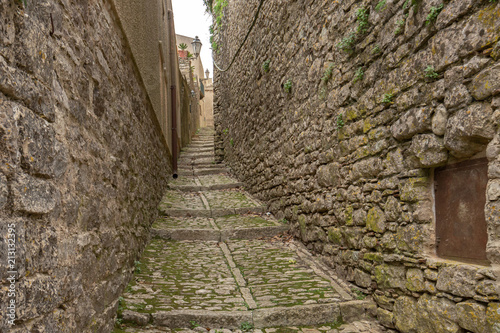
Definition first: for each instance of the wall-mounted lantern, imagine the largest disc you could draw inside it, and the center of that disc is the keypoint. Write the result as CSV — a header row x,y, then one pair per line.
x,y
193,94
196,46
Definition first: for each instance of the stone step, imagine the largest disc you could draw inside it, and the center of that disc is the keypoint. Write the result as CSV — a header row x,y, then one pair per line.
x,y
191,150
196,155
202,171
218,229
206,161
209,203
361,326
204,183
263,283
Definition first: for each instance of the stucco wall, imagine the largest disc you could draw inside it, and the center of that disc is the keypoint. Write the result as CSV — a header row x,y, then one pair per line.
x,y
347,154
83,158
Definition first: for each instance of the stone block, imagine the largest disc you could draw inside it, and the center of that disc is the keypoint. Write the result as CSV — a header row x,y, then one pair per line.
x,y
457,96
429,150
390,276
410,237
405,314
415,280
412,122
375,220
328,175
437,315
493,191
469,130
4,191
362,279
367,168
472,316
458,280
415,189
385,317
33,195
493,317
41,151
9,149
486,83
439,120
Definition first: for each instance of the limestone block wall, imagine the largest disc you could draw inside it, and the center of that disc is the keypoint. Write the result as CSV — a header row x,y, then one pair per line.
x,y
336,114
83,164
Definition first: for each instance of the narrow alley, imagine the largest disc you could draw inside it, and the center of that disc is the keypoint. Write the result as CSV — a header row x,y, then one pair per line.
x,y
217,261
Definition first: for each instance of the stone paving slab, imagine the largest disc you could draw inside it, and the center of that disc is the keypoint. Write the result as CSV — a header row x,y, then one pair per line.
x,y
245,221
183,223
182,276
363,326
280,278
218,179
195,161
218,229
173,199
209,203
223,283
230,199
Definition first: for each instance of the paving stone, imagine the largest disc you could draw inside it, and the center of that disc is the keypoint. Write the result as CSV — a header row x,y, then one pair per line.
x,y
205,266
229,199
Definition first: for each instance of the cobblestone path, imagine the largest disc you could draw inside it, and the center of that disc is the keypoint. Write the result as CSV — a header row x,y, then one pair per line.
x,y
217,262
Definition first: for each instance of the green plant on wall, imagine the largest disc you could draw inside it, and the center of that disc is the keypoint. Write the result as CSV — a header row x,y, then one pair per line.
x,y
376,49
380,6
430,72
347,43
216,8
183,46
340,121
288,86
327,75
387,98
433,14
359,75
265,65
399,26
225,131
231,142
362,18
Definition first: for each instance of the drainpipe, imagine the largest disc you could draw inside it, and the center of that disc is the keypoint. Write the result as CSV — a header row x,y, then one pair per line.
x,y
174,130
173,93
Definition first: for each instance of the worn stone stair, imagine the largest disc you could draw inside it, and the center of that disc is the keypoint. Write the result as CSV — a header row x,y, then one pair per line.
x,y
218,260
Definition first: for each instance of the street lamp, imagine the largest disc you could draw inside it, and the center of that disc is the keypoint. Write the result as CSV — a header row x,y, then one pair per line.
x,y
207,73
196,46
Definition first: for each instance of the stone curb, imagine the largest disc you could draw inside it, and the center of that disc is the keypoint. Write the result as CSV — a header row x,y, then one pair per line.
x,y
198,188
300,315
182,318
252,233
188,171
195,155
218,235
213,212
208,235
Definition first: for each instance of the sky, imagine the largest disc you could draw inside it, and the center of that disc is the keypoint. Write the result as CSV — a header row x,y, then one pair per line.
x,y
191,20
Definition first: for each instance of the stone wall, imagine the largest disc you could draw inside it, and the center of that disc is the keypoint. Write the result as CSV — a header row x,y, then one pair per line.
x,y
83,164
336,114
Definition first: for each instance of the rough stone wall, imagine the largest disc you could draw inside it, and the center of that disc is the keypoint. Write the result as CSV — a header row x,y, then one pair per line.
x,y
83,164
346,155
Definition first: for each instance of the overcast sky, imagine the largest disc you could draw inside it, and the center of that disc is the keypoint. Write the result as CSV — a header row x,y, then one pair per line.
x,y
191,20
